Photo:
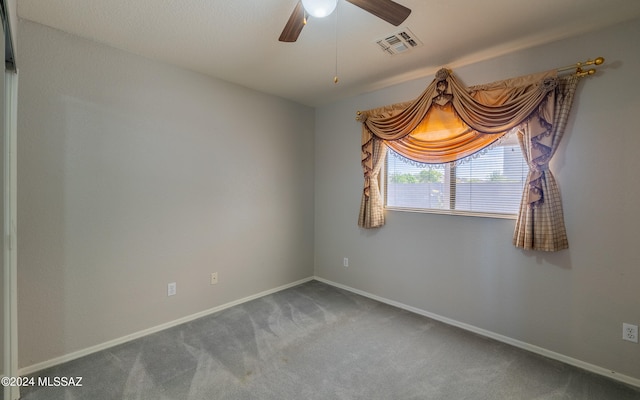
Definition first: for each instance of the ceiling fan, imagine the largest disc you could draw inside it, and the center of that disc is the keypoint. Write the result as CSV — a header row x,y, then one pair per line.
x,y
387,10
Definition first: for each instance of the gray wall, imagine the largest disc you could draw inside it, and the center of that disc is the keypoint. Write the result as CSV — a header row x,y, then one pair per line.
x,y
133,174
465,268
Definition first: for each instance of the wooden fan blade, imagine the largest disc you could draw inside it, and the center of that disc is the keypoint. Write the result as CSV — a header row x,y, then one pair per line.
x,y
294,25
388,10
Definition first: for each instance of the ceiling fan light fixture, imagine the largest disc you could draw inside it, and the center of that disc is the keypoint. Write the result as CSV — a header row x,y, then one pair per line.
x,y
319,8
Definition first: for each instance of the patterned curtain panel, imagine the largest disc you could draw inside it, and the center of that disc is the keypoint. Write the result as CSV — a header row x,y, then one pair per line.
x,y
449,122
540,224
372,205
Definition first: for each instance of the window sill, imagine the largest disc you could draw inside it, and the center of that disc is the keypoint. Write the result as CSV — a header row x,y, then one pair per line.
x,y
453,212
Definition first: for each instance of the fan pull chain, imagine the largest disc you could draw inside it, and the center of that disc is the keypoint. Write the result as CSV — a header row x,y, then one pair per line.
x,y
335,77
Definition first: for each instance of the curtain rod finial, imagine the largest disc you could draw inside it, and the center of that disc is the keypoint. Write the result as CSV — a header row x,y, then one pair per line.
x,y
599,60
580,73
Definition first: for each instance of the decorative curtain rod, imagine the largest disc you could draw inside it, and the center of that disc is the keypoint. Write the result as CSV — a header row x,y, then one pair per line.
x,y
578,67
578,71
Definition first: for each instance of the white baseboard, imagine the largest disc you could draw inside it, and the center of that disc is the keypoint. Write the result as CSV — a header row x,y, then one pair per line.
x,y
492,335
103,346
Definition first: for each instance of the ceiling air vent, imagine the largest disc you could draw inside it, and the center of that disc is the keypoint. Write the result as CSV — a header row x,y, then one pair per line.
x,y
399,42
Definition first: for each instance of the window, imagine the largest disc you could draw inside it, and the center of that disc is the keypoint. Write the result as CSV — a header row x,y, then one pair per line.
x,y
489,184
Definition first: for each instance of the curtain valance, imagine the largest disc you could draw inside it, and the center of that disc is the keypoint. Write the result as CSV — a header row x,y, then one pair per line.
x,y
449,121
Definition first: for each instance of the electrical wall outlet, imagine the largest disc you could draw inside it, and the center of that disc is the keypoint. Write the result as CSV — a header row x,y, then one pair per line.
x,y
214,278
630,332
345,262
171,289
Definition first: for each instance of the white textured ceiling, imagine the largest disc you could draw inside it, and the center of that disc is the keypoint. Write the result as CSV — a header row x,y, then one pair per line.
x,y
237,40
